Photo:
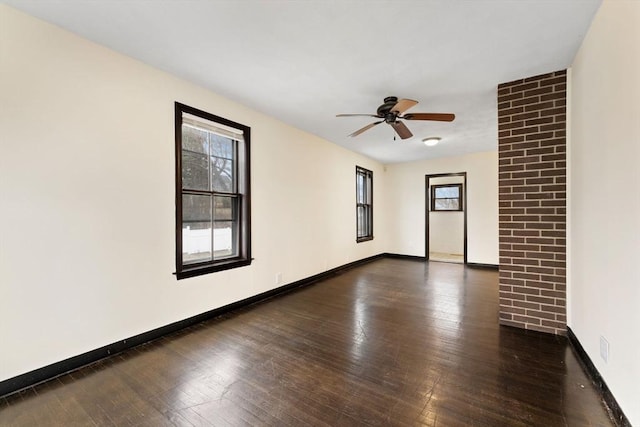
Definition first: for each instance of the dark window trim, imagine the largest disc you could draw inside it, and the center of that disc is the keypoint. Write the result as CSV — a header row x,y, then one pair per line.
x,y
244,195
368,175
459,198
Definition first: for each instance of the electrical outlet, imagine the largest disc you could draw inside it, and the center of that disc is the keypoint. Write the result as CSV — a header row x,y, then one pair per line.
x,y
278,278
604,349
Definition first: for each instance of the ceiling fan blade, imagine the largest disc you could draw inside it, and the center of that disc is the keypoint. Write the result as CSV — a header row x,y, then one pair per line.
x,y
403,105
401,130
356,115
440,117
367,127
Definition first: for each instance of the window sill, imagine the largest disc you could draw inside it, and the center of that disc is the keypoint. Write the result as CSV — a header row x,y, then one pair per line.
x,y
192,271
364,239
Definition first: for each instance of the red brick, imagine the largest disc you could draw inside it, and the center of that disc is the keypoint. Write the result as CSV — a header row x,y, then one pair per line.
x,y
539,106
512,111
525,130
508,267
525,304
526,233
525,145
541,314
539,151
540,255
541,121
540,135
525,116
511,139
526,261
526,276
539,91
514,310
508,96
541,300
526,319
554,126
524,87
511,125
532,205
511,153
525,101
552,324
530,292
550,111
525,248
525,189
548,82
514,282
526,160
540,165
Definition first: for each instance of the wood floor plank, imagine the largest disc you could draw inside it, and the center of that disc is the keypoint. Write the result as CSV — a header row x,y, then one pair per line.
x,y
392,342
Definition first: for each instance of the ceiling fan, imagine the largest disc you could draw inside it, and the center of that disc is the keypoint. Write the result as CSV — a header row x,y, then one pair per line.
x,y
391,112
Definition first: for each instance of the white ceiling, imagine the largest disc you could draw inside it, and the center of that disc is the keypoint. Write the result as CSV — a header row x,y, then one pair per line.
x,y
303,62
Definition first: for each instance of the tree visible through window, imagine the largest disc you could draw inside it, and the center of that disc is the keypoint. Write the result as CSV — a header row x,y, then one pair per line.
x,y
446,197
364,204
212,193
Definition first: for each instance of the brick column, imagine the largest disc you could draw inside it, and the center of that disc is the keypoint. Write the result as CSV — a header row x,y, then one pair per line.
x,y
532,202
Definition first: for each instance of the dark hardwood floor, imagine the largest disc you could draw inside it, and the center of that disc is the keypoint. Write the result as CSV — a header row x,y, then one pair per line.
x,y
393,342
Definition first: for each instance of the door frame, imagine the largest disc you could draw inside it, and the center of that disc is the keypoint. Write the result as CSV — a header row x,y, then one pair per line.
x,y
465,207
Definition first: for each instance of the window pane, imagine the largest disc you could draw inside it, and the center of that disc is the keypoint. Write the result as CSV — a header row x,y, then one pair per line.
x,y
195,171
224,208
222,174
221,146
447,204
194,140
225,234
362,221
447,192
360,188
196,228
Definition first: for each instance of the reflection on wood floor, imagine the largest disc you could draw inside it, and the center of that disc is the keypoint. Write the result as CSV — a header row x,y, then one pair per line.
x,y
393,342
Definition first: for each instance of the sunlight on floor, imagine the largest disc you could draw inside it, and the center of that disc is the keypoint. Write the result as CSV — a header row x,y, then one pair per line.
x,y
439,256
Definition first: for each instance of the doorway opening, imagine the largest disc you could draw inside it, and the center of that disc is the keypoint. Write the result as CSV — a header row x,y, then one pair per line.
x,y
446,217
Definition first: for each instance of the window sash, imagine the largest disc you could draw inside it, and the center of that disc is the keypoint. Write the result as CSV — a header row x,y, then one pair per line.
x,y
445,204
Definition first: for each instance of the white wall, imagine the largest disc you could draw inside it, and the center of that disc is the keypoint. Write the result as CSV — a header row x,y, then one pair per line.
x,y
406,195
446,229
87,191
604,198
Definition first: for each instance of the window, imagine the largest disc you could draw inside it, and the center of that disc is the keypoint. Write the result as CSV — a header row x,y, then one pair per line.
x,y
212,193
446,197
364,204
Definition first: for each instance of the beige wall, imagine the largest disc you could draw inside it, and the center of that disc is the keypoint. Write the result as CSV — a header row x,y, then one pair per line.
x,y
87,185
604,198
406,196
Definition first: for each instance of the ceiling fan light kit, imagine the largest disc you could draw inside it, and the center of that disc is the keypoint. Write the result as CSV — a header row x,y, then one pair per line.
x,y
431,141
391,111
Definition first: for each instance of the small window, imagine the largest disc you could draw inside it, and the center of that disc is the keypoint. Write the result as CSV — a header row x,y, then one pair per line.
x,y
446,197
364,204
212,193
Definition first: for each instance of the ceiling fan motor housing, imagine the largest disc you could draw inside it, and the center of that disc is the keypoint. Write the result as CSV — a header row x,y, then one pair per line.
x,y
384,111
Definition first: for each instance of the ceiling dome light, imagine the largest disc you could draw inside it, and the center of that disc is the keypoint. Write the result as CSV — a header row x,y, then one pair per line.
x,y
430,142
